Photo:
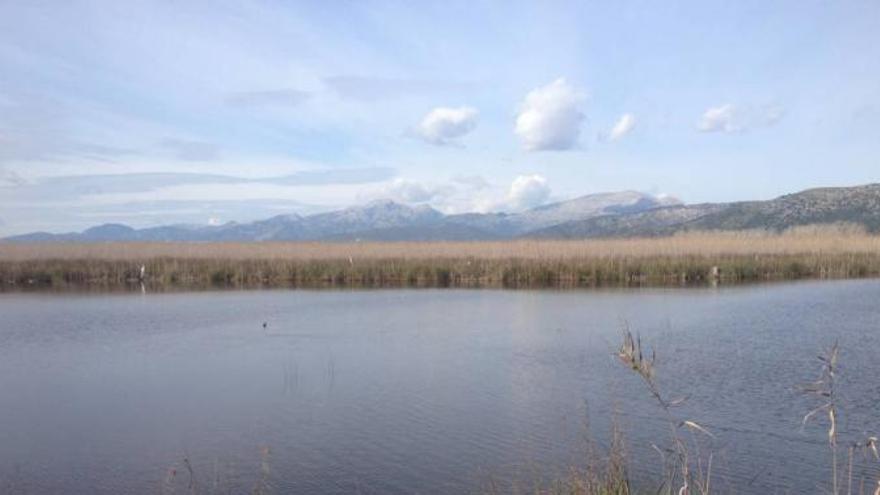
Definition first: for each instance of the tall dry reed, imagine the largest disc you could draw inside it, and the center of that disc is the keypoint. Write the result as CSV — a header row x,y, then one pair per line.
x,y
682,259
825,391
687,469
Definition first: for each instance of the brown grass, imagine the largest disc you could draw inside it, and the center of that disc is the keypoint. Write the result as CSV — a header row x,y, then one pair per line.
x,y
687,469
797,241
680,259
825,391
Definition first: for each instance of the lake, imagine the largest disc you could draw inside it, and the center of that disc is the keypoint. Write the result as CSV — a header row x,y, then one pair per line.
x,y
418,391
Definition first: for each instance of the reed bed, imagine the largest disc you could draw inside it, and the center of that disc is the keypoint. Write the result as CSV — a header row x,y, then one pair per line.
x,y
693,258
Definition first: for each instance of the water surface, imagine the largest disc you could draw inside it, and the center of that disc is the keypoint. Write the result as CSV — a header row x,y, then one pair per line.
x,y
416,391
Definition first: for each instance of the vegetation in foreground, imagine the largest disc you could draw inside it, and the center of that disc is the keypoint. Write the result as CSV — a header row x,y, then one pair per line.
x,y
688,452
696,258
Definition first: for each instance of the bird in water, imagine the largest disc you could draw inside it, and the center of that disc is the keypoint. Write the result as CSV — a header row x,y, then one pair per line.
x,y
265,325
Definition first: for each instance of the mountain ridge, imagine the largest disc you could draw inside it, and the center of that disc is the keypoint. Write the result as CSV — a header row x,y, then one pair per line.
x,y
615,214
859,205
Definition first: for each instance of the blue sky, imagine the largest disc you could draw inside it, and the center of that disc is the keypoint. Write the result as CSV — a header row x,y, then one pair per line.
x,y
162,112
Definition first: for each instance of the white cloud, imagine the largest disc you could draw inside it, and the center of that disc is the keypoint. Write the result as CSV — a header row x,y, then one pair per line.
x,y
719,119
730,118
624,126
528,191
550,117
463,194
443,124
410,191
454,196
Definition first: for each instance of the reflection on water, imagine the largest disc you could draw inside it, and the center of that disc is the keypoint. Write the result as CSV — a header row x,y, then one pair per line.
x,y
424,391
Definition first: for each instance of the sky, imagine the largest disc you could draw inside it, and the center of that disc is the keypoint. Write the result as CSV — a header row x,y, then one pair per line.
x,y
204,112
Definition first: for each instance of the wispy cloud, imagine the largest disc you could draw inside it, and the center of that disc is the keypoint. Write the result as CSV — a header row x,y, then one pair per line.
x,y
64,203
730,118
473,181
625,124
363,175
191,151
722,118
141,214
35,128
268,98
75,186
372,88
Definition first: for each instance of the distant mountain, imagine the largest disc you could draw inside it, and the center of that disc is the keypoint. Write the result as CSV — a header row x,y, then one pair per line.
x,y
621,214
578,209
858,205
382,220
655,222
591,206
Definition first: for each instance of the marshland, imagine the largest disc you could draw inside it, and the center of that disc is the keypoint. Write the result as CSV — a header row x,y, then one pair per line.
x,y
439,247
632,385
697,258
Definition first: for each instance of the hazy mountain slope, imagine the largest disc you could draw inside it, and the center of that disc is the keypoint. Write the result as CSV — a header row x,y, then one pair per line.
x,y
42,237
434,232
585,207
280,227
384,214
660,221
598,215
582,208
379,220
374,216
857,205
491,224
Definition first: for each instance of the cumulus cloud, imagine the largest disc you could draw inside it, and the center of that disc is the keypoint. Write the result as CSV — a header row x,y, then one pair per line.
x,y
411,191
443,124
550,117
528,191
625,124
719,119
464,194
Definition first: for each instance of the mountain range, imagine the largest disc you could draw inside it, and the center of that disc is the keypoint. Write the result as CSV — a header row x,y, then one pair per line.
x,y
619,214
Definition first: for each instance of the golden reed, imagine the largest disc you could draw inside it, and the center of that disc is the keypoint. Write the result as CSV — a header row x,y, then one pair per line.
x,y
702,257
